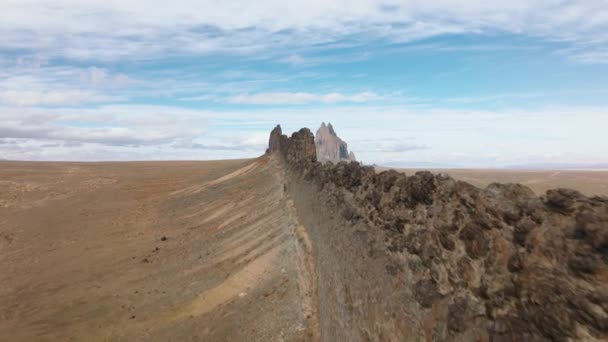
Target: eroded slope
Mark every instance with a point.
(152, 251)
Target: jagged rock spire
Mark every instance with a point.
(329, 146)
(274, 142)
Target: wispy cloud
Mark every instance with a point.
(31, 82)
(102, 77)
(199, 98)
(101, 30)
(105, 125)
(50, 98)
(293, 59)
(297, 98)
(587, 55)
(495, 98)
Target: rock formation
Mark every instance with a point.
(427, 257)
(299, 147)
(274, 142)
(330, 147)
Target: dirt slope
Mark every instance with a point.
(165, 251)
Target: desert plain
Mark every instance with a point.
(167, 251)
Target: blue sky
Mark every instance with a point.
(439, 83)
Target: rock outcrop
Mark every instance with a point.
(300, 147)
(458, 262)
(330, 147)
(274, 142)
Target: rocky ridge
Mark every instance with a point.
(495, 264)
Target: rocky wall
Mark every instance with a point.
(427, 257)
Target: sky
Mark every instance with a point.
(431, 83)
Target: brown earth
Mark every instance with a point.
(166, 251)
(588, 182)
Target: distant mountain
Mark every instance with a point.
(330, 147)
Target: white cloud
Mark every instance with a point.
(254, 138)
(199, 98)
(287, 98)
(31, 82)
(49, 98)
(105, 125)
(101, 76)
(589, 56)
(111, 29)
(293, 59)
(496, 98)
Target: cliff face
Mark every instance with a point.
(299, 147)
(425, 256)
(330, 147)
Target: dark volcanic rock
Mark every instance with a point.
(427, 293)
(501, 263)
(420, 188)
(300, 147)
(563, 199)
(475, 241)
(522, 228)
(446, 240)
(459, 313)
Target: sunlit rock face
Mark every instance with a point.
(330, 147)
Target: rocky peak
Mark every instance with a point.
(330, 147)
(331, 129)
(299, 147)
(274, 142)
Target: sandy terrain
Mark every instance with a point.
(167, 251)
(588, 182)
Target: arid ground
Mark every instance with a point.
(168, 251)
